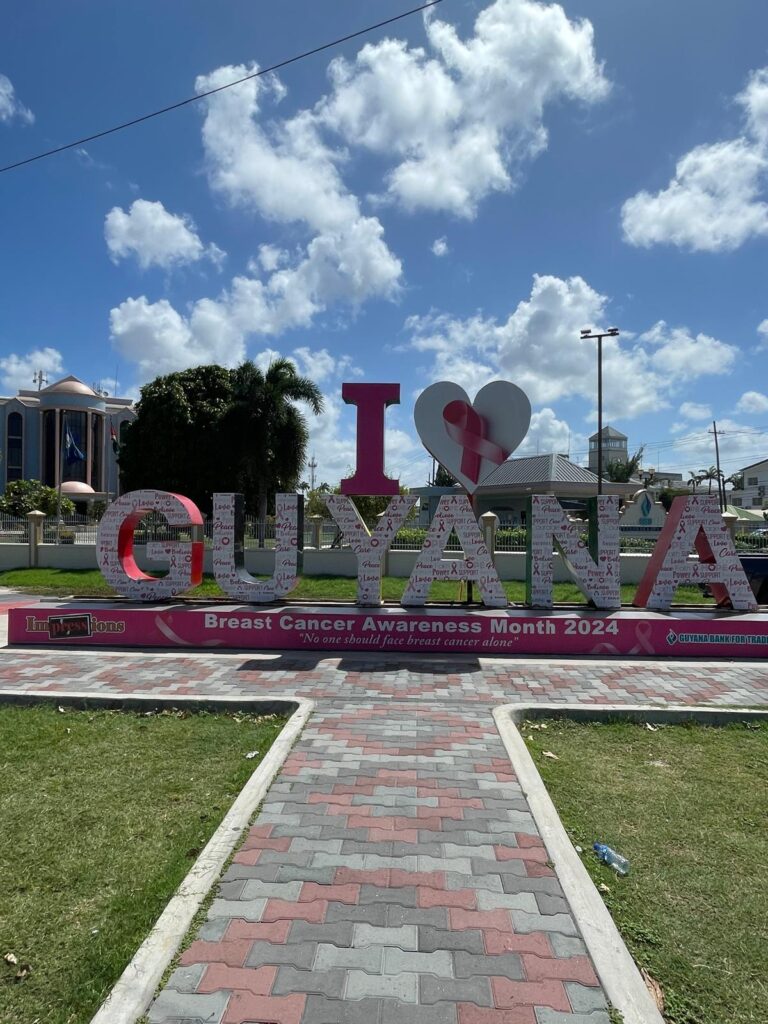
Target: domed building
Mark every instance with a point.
(64, 433)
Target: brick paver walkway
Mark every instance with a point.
(394, 873)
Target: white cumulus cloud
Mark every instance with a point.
(16, 371)
(753, 402)
(695, 411)
(539, 348)
(155, 237)
(716, 200)
(440, 247)
(10, 105)
(463, 116)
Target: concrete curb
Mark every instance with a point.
(615, 967)
(135, 988)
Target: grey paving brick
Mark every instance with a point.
(524, 883)
(431, 938)
(585, 998)
(363, 847)
(337, 932)
(319, 1010)
(483, 866)
(316, 845)
(255, 889)
(367, 958)
(404, 987)
(278, 857)
(400, 1013)
(405, 896)
(186, 979)
(439, 962)
(372, 913)
(246, 910)
(566, 945)
(456, 880)
(295, 873)
(171, 1005)
(231, 890)
(461, 864)
(551, 904)
(507, 901)
(325, 983)
(505, 965)
(213, 931)
(546, 1016)
(459, 990)
(429, 849)
(436, 916)
(525, 922)
(405, 937)
(297, 954)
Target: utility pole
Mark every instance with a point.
(586, 335)
(720, 484)
(312, 466)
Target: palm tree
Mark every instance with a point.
(711, 475)
(263, 409)
(620, 471)
(736, 480)
(693, 480)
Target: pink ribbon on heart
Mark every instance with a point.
(468, 428)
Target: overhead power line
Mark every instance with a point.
(221, 88)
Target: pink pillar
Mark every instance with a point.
(371, 401)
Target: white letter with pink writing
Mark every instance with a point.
(370, 548)
(695, 523)
(594, 566)
(228, 554)
(454, 513)
(114, 545)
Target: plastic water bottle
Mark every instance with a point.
(611, 858)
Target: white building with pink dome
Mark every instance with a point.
(40, 431)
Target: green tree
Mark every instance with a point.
(178, 441)
(693, 480)
(443, 478)
(736, 480)
(263, 416)
(619, 471)
(711, 475)
(22, 496)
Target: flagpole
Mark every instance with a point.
(62, 423)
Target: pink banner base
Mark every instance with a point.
(697, 633)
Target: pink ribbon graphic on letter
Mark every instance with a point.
(468, 428)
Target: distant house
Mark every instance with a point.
(754, 494)
(614, 448)
(506, 492)
(63, 433)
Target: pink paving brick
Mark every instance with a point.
(433, 879)
(497, 942)
(244, 1008)
(232, 954)
(384, 835)
(459, 919)
(256, 980)
(379, 878)
(257, 931)
(464, 898)
(524, 839)
(530, 993)
(530, 853)
(471, 1014)
(280, 910)
(574, 968)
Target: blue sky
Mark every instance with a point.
(451, 197)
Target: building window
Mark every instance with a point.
(74, 468)
(14, 447)
(751, 481)
(757, 501)
(736, 502)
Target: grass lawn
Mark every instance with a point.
(101, 815)
(688, 806)
(90, 583)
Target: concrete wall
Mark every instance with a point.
(327, 562)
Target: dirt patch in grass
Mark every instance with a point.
(101, 815)
(688, 805)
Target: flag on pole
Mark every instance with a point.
(113, 438)
(71, 449)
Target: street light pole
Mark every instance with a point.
(588, 334)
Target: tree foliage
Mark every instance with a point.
(443, 478)
(22, 496)
(619, 471)
(212, 429)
